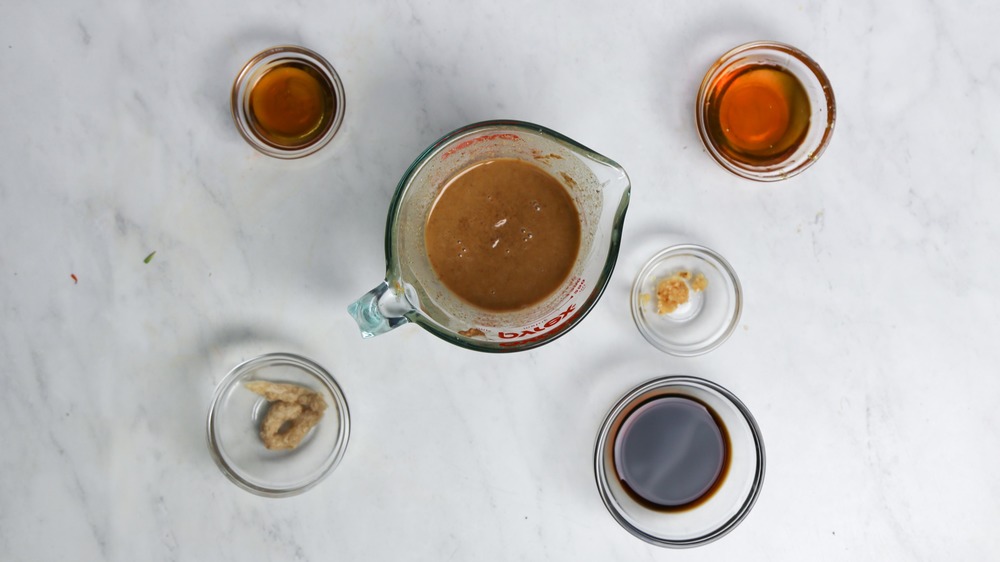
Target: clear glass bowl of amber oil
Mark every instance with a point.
(765, 111)
(288, 102)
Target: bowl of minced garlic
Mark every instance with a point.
(686, 300)
(675, 290)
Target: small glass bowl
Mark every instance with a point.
(706, 320)
(234, 421)
(822, 104)
(722, 511)
(254, 69)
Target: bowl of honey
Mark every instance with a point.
(288, 102)
(765, 111)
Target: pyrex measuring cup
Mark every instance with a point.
(412, 291)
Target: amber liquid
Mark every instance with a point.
(503, 235)
(291, 105)
(757, 114)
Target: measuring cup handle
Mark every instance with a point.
(372, 316)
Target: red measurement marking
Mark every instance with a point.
(470, 142)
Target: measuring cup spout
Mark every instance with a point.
(380, 310)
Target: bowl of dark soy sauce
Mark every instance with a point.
(679, 461)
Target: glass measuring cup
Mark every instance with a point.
(412, 291)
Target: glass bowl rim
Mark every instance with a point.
(236, 105)
(758, 173)
(699, 251)
(601, 478)
(304, 364)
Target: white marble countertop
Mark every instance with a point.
(867, 348)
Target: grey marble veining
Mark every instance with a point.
(867, 349)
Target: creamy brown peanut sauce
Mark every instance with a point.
(503, 235)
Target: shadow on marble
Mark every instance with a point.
(693, 51)
(638, 245)
(339, 203)
(222, 62)
(201, 371)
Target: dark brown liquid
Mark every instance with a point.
(758, 114)
(291, 105)
(671, 453)
(503, 235)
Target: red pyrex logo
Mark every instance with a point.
(536, 330)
